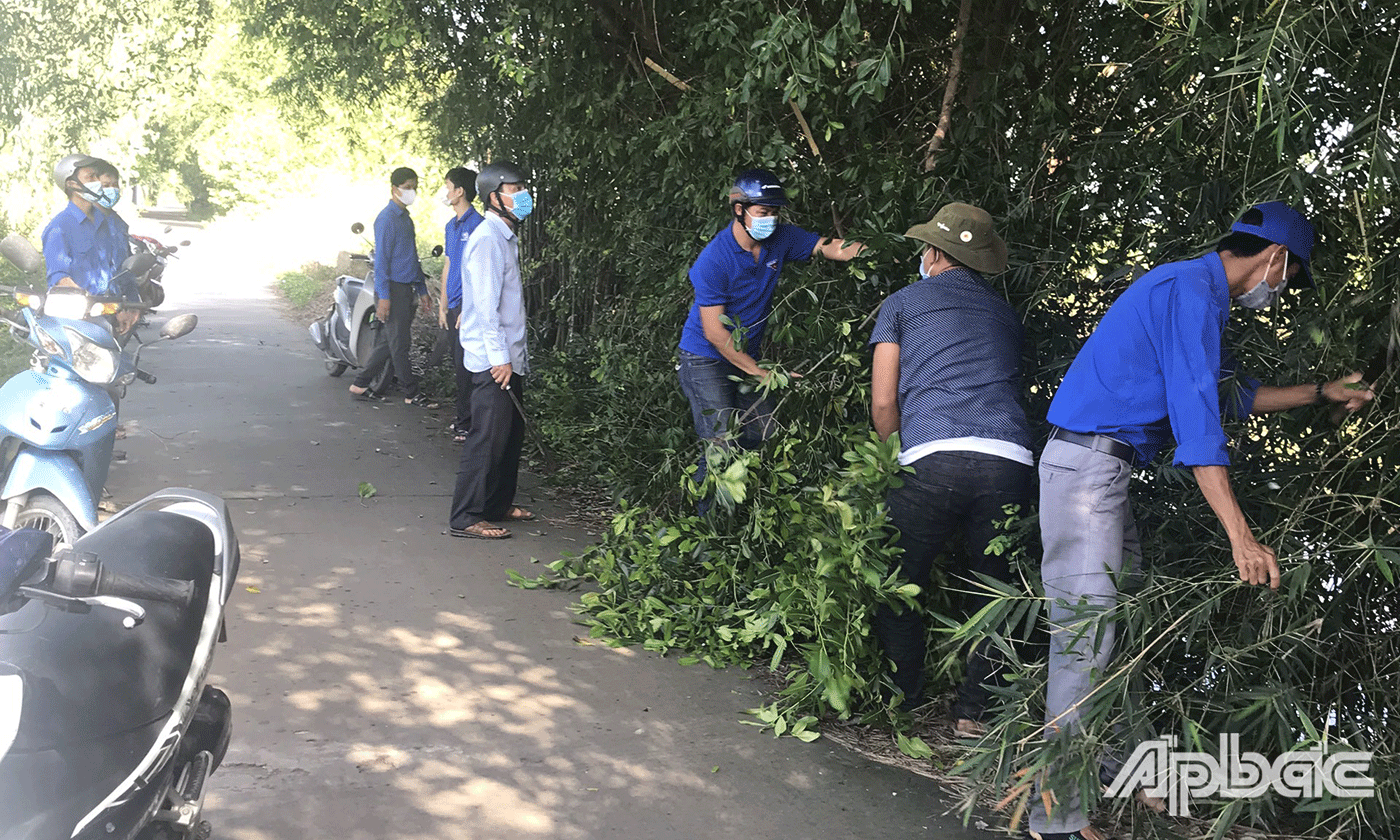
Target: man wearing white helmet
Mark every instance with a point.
(79, 249)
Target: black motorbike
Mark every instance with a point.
(107, 726)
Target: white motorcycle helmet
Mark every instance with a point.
(67, 168)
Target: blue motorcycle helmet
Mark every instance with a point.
(758, 186)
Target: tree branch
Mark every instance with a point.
(950, 92)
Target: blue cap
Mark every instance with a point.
(1287, 227)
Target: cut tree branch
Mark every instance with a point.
(945, 118)
(806, 129)
(666, 74)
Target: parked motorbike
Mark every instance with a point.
(348, 332)
(150, 285)
(108, 728)
(58, 420)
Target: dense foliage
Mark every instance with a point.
(1105, 136)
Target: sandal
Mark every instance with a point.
(459, 437)
(480, 531)
(364, 394)
(420, 400)
(519, 514)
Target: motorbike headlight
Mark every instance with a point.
(47, 343)
(94, 363)
(69, 305)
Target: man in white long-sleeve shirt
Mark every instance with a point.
(492, 332)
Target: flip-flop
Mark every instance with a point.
(367, 395)
(520, 514)
(459, 437)
(474, 531)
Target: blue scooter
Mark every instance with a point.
(58, 420)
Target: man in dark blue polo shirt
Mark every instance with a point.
(946, 375)
(1150, 375)
(459, 185)
(734, 279)
(398, 280)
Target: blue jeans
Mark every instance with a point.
(950, 493)
(716, 404)
(1091, 547)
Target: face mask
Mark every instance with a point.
(522, 203)
(445, 199)
(408, 196)
(110, 197)
(923, 272)
(1262, 296)
(92, 190)
(763, 227)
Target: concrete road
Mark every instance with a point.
(387, 682)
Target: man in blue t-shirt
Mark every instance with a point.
(1150, 375)
(459, 185)
(946, 376)
(734, 279)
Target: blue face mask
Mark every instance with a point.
(110, 197)
(762, 227)
(522, 203)
(923, 274)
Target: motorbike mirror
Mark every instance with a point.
(357, 228)
(437, 250)
(179, 325)
(168, 228)
(22, 552)
(22, 253)
(172, 249)
(185, 243)
(139, 263)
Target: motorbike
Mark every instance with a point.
(58, 419)
(349, 331)
(108, 726)
(150, 285)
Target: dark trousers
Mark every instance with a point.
(464, 376)
(716, 402)
(490, 462)
(950, 492)
(398, 330)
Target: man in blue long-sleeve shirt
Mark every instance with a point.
(398, 280)
(1150, 374)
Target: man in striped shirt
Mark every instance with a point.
(946, 376)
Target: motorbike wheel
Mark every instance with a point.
(335, 368)
(48, 514)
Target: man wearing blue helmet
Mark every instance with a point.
(1147, 377)
(734, 279)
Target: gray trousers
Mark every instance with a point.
(1090, 539)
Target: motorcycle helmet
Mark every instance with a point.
(493, 175)
(758, 186)
(67, 168)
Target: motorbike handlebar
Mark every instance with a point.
(148, 378)
(144, 588)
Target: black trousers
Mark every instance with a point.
(490, 464)
(951, 492)
(464, 376)
(403, 302)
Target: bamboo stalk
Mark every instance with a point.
(666, 74)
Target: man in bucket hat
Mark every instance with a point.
(946, 375)
(1148, 376)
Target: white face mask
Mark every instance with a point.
(407, 196)
(1262, 295)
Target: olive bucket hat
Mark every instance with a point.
(964, 233)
